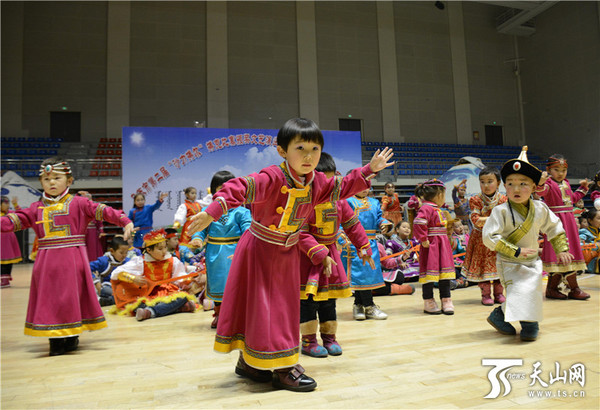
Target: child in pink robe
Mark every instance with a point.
(556, 191)
(10, 253)
(62, 296)
(260, 312)
(435, 259)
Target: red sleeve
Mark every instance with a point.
(420, 225)
(20, 219)
(243, 190)
(315, 251)
(389, 263)
(355, 231)
(335, 189)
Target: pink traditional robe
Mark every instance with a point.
(560, 199)
(9, 247)
(260, 312)
(320, 241)
(92, 240)
(435, 262)
(62, 297)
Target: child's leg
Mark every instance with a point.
(575, 292)
(447, 306)
(6, 275)
(215, 321)
(358, 309)
(372, 311)
(431, 306)
(328, 327)
(552, 292)
(383, 291)
(486, 293)
(498, 292)
(164, 309)
(308, 328)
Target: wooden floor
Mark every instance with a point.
(410, 360)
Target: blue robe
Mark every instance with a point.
(370, 216)
(142, 218)
(222, 237)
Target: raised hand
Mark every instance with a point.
(544, 178)
(380, 159)
(128, 231)
(163, 196)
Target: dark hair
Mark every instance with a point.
(399, 224)
(188, 189)
(170, 230)
(4, 198)
(218, 179)
(388, 183)
(428, 192)
(491, 171)
(136, 195)
(326, 163)
(55, 160)
(307, 130)
(589, 214)
(116, 242)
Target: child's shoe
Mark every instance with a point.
(331, 344)
(529, 331)
(57, 346)
(486, 294)
(189, 306)
(373, 312)
(431, 307)
(261, 376)
(311, 347)
(71, 343)
(496, 319)
(143, 314)
(294, 379)
(328, 331)
(208, 304)
(106, 301)
(552, 291)
(575, 292)
(5, 282)
(358, 312)
(403, 289)
(498, 292)
(447, 306)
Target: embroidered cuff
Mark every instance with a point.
(508, 249)
(126, 277)
(560, 243)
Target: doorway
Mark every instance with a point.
(65, 125)
(493, 135)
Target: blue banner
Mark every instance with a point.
(157, 160)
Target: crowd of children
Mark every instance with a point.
(300, 228)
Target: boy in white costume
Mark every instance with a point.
(512, 231)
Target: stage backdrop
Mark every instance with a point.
(157, 160)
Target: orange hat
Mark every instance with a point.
(154, 237)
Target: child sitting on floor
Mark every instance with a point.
(157, 264)
(103, 266)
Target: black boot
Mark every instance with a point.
(57, 346)
(71, 343)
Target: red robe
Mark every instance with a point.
(260, 312)
(62, 296)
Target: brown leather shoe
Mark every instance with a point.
(578, 294)
(261, 376)
(294, 379)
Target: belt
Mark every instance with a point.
(277, 238)
(437, 231)
(223, 241)
(61, 242)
